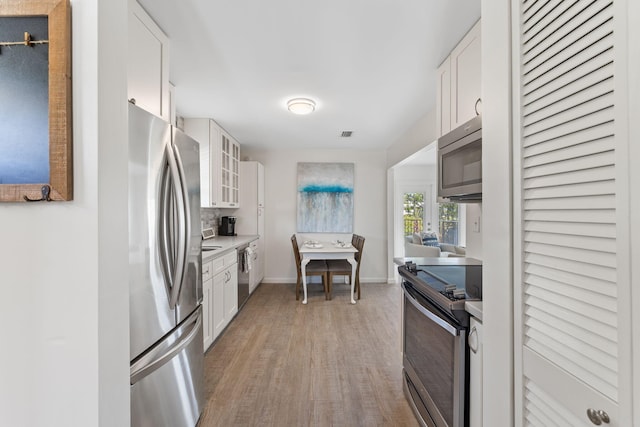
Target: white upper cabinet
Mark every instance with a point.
(465, 78)
(230, 172)
(219, 163)
(443, 104)
(173, 119)
(147, 63)
(459, 86)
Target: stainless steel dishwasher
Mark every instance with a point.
(243, 276)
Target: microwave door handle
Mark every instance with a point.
(431, 316)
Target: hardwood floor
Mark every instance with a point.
(329, 363)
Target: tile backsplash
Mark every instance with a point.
(209, 218)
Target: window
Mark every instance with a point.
(413, 213)
(451, 219)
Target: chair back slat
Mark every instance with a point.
(296, 254)
(359, 246)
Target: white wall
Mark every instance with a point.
(419, 175)
(280, 214)
(421, 134)
(473, 218)
(417, 137)
(497, 221)
(64, 358)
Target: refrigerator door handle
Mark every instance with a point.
(180, 249)
(186, 228)
(164, 230)
(159, 356)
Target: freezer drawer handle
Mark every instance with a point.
(157, 357)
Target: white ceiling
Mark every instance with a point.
(369, 64)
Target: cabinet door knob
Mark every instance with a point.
(598, 416)
(478, 101)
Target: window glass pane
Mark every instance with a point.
(413, 213)
(449, 223)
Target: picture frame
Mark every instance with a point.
(59, 104)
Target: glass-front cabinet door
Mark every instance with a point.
(229, 171)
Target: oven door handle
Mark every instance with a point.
(433, 317)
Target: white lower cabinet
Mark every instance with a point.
(256, 274)
(230, 292)
(225, 298)
(475, 373)
(220, 294)
(218, 304)
(207, 303)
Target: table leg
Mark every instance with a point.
(303, 265)
(352, 261)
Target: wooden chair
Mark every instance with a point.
(341, 267)
(314, 268)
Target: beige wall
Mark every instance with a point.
(281, 198)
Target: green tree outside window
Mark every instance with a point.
(449, 223)
(413, 213)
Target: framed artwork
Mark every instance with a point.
(35, 101)
(325, 197)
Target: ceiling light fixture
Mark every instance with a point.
(301, 105)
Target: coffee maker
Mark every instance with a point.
(227, 226)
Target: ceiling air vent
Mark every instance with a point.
(346, 133)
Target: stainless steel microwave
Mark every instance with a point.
(460, 163)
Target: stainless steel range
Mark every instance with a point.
(435, 328)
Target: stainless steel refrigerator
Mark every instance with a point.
(165, 279)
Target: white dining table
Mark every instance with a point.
(327, 251)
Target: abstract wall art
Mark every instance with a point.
(325, 197)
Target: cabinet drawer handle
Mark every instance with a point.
(473, 343)
(475, 107)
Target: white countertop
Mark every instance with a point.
(226, 244)
(474, 308)
(438, 261)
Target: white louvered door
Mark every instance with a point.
(566, 260)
